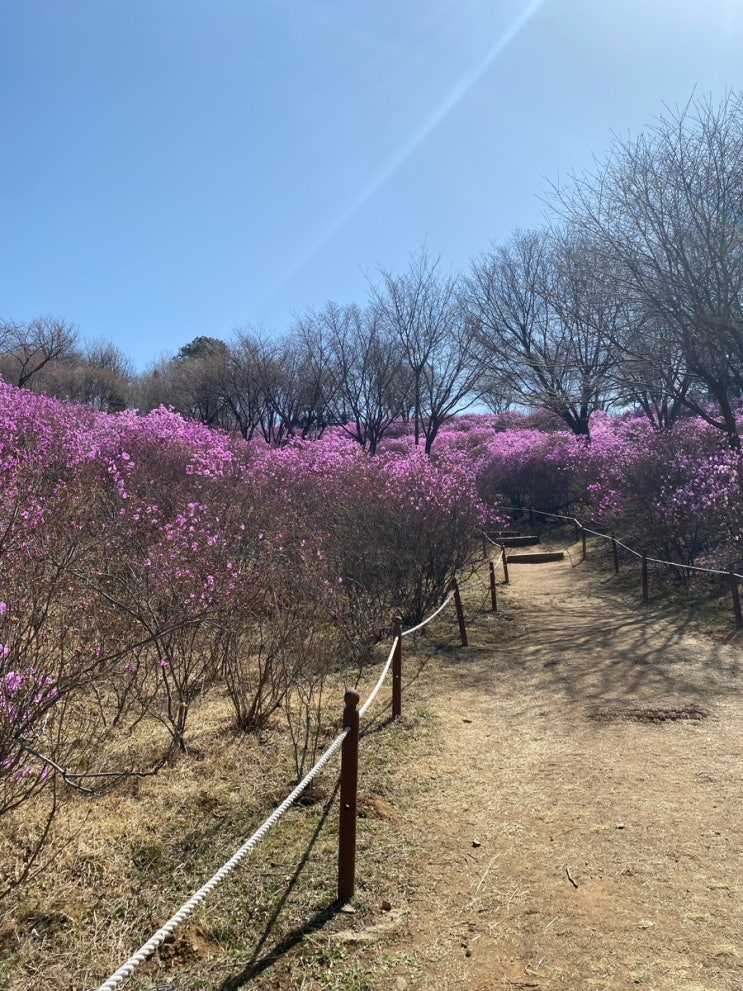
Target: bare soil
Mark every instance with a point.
(583, 827)
(559, 808)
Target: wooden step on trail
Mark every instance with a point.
(540, 557)
(518, 540)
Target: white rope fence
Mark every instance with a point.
(490, 539)
(127, 969)
(147, 949)
(631, 550)
(380, 681)
(425, 622)
(655, 560)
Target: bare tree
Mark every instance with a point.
(424, 311)
(371, 378)
(26, 349)
(193, 382)
(261, 386)
(495, 391)
(245, 392)
(99, 376)
(667, 207)
(546, 324)
(452, 378)
(651, 371)
(310, 353)
(200, 375)
(284, 384)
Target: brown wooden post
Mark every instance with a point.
(578, 529)
(397, 669)
(484, 546)
(460, 614)
(736, 597)
(493, 593)
(644, 576)
(615, 552)
(505, 565)
(583, 543)
(349, 787)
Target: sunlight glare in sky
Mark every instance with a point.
(462, 86)
(190, 169)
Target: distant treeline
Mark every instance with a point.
(630, 295)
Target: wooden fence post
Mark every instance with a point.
(493, 593)
(645, 576)
(583, 542)
(736, 598)
(349, 787)
(615, 552)
(505, 564)
(460, 614)
(397, 669)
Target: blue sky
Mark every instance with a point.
(172, 168)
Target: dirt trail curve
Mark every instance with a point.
(582, 824)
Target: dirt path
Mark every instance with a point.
(582, 824)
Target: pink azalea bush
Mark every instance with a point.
(146, 560)
(653, 488)
(391, 529)
(530, 469)
(675, 494)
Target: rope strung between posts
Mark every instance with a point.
(490, 539)
(631, 550)
(495, 543)
(425, 622)
(500, 556)
(375, 691)
(127, 969)
(670, 564)
(380, 681)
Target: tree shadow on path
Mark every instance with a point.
(576, 639)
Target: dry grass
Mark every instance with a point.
(121, 863)
(528, 754)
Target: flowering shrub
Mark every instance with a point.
(530, 469)
(147, 559)
(434, 511)
(653, 487)
(676, 494)
(381, 534)
(26, 696)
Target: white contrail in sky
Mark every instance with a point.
(461, 87)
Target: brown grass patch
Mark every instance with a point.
(576, 734)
